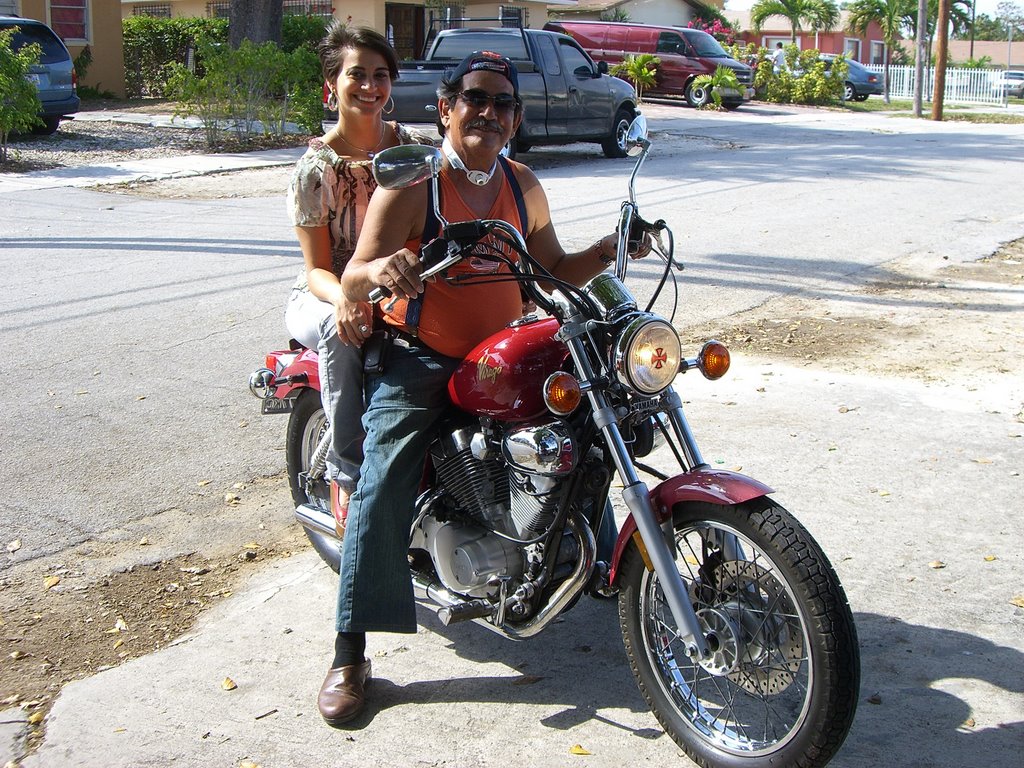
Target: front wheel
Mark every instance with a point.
(849, 92)
(699, 96)
(615, 145)
(781, 684)
(306, 428)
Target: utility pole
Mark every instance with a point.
(941, 48)
(974, 4)
(921, 54)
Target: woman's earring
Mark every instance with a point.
(389, 111)
(332, 101)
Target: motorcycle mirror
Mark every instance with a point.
(636, 136)
(406, 165)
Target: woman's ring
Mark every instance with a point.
(364, 328)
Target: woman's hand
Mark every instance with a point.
(399, 273)
(354, 320)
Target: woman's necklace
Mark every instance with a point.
(368, 152)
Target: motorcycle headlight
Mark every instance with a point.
(647, 355)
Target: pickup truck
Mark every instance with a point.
(566, 96)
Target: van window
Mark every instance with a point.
(670, 42)
(704, 44)
(53, 49)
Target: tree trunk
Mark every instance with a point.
(255, 20)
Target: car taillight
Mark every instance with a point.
(326, 91)
(872, 78)
(74, 79)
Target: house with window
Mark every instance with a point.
(81, 23)
(408, 25)
(661, 13)
(867, 49)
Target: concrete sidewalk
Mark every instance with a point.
(461, 696)
(147, 170)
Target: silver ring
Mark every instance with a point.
(364, 328)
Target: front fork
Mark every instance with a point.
(637, 498)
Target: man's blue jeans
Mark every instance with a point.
(404, 404)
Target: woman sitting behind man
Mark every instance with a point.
(327, 200)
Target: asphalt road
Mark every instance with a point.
(129, 327)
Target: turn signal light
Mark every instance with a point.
(562, 393)
(714, 360)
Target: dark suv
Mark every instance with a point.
(54, 75)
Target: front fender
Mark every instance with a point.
(712, 486)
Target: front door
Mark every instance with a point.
(404, 29)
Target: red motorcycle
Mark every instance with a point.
(735, 625)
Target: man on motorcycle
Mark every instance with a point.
(436, 325)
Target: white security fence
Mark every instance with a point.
(963, 86)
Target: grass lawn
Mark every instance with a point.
(958, 112)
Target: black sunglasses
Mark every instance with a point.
(478, 99)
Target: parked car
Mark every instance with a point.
(54, 76)
(861, 82)
(684, 53)
(1009, 83)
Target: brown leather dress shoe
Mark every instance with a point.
(342, 694)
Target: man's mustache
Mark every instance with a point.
(487, 125)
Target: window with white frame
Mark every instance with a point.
(877, 52)
(851, 48)
(155, 10)
(769, 42)
(70, 19)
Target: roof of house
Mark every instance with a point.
(776, 23)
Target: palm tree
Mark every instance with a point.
(640, 69)
(820, 15)
(893, 16)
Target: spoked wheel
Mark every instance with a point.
(780, 686)
(306, 427)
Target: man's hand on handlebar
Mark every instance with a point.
(398, 273)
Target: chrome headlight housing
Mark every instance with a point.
(647, 355)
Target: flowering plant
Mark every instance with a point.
(718, 29)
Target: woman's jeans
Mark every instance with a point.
(311, 323)
(404, 405)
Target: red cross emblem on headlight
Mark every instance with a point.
(659, 358)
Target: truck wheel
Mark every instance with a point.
(615, 145)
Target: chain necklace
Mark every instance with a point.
(368, 152)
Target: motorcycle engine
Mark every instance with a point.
(509, 485)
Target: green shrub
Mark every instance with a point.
(805, 80)
(153, 46)
(248, 85)
(299, 31)
(640, 69)
(19, 99)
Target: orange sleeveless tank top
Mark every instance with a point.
(455, 316)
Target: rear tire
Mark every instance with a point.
(615, 145)
(781, 685)
(48, 128)
(306, 427)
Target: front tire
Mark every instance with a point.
(615, 145)
(849, 92)
(781, 685)
(306, 427)
(698, 97)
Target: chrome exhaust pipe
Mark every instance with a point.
(316, 520)
(451, 604)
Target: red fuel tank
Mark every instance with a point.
(504, 375)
